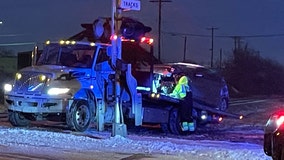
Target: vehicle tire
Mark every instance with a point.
(278, 154)
(165, 127)
(17, 119)
(79, 116)
(175, 123)
(282, 154)
(223, 104)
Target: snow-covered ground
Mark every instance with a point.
(153, 148)
(43, 143)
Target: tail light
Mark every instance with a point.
(280, 121)
(113, 37)
(275, 121)
(147, 40)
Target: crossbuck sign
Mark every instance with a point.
(130, 4)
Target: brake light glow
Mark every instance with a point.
(113, 37)
(147, 40)
(280, 120)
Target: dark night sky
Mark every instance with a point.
(37, 21)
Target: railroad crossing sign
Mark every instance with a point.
(130, 4)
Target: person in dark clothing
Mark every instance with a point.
(183, 92)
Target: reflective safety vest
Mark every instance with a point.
(181, 88)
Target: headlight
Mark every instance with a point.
(57, 91)
(8, 87)
(18, 76)
(42, 78)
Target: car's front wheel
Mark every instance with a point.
(79, 116)
(18, 119)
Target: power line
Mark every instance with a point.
(17, 44)
(11, 35)
(227, 36)
(185, 34)
(253, 36)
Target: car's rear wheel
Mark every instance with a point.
(18, 119)
(79, 116)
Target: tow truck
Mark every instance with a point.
(73, 81)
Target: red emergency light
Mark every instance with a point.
(142, 40)
(113, 37)
(147, 40)
(280, 120)
(277, 118)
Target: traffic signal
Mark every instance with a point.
(100, 30)
(133, 29)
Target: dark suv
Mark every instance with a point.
(274, 136)
(208, 86)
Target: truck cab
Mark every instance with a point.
(73, 82)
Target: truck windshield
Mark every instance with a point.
(67, 55)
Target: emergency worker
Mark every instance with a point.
(181, 87)
(182, 91)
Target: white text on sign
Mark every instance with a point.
(130, 4)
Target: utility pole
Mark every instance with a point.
(184, 48)
(212, 43)
(159, 25)
(118, 126)
(184, 36)
(221, 53)
(237, 42)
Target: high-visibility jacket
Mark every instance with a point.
(181, 88)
